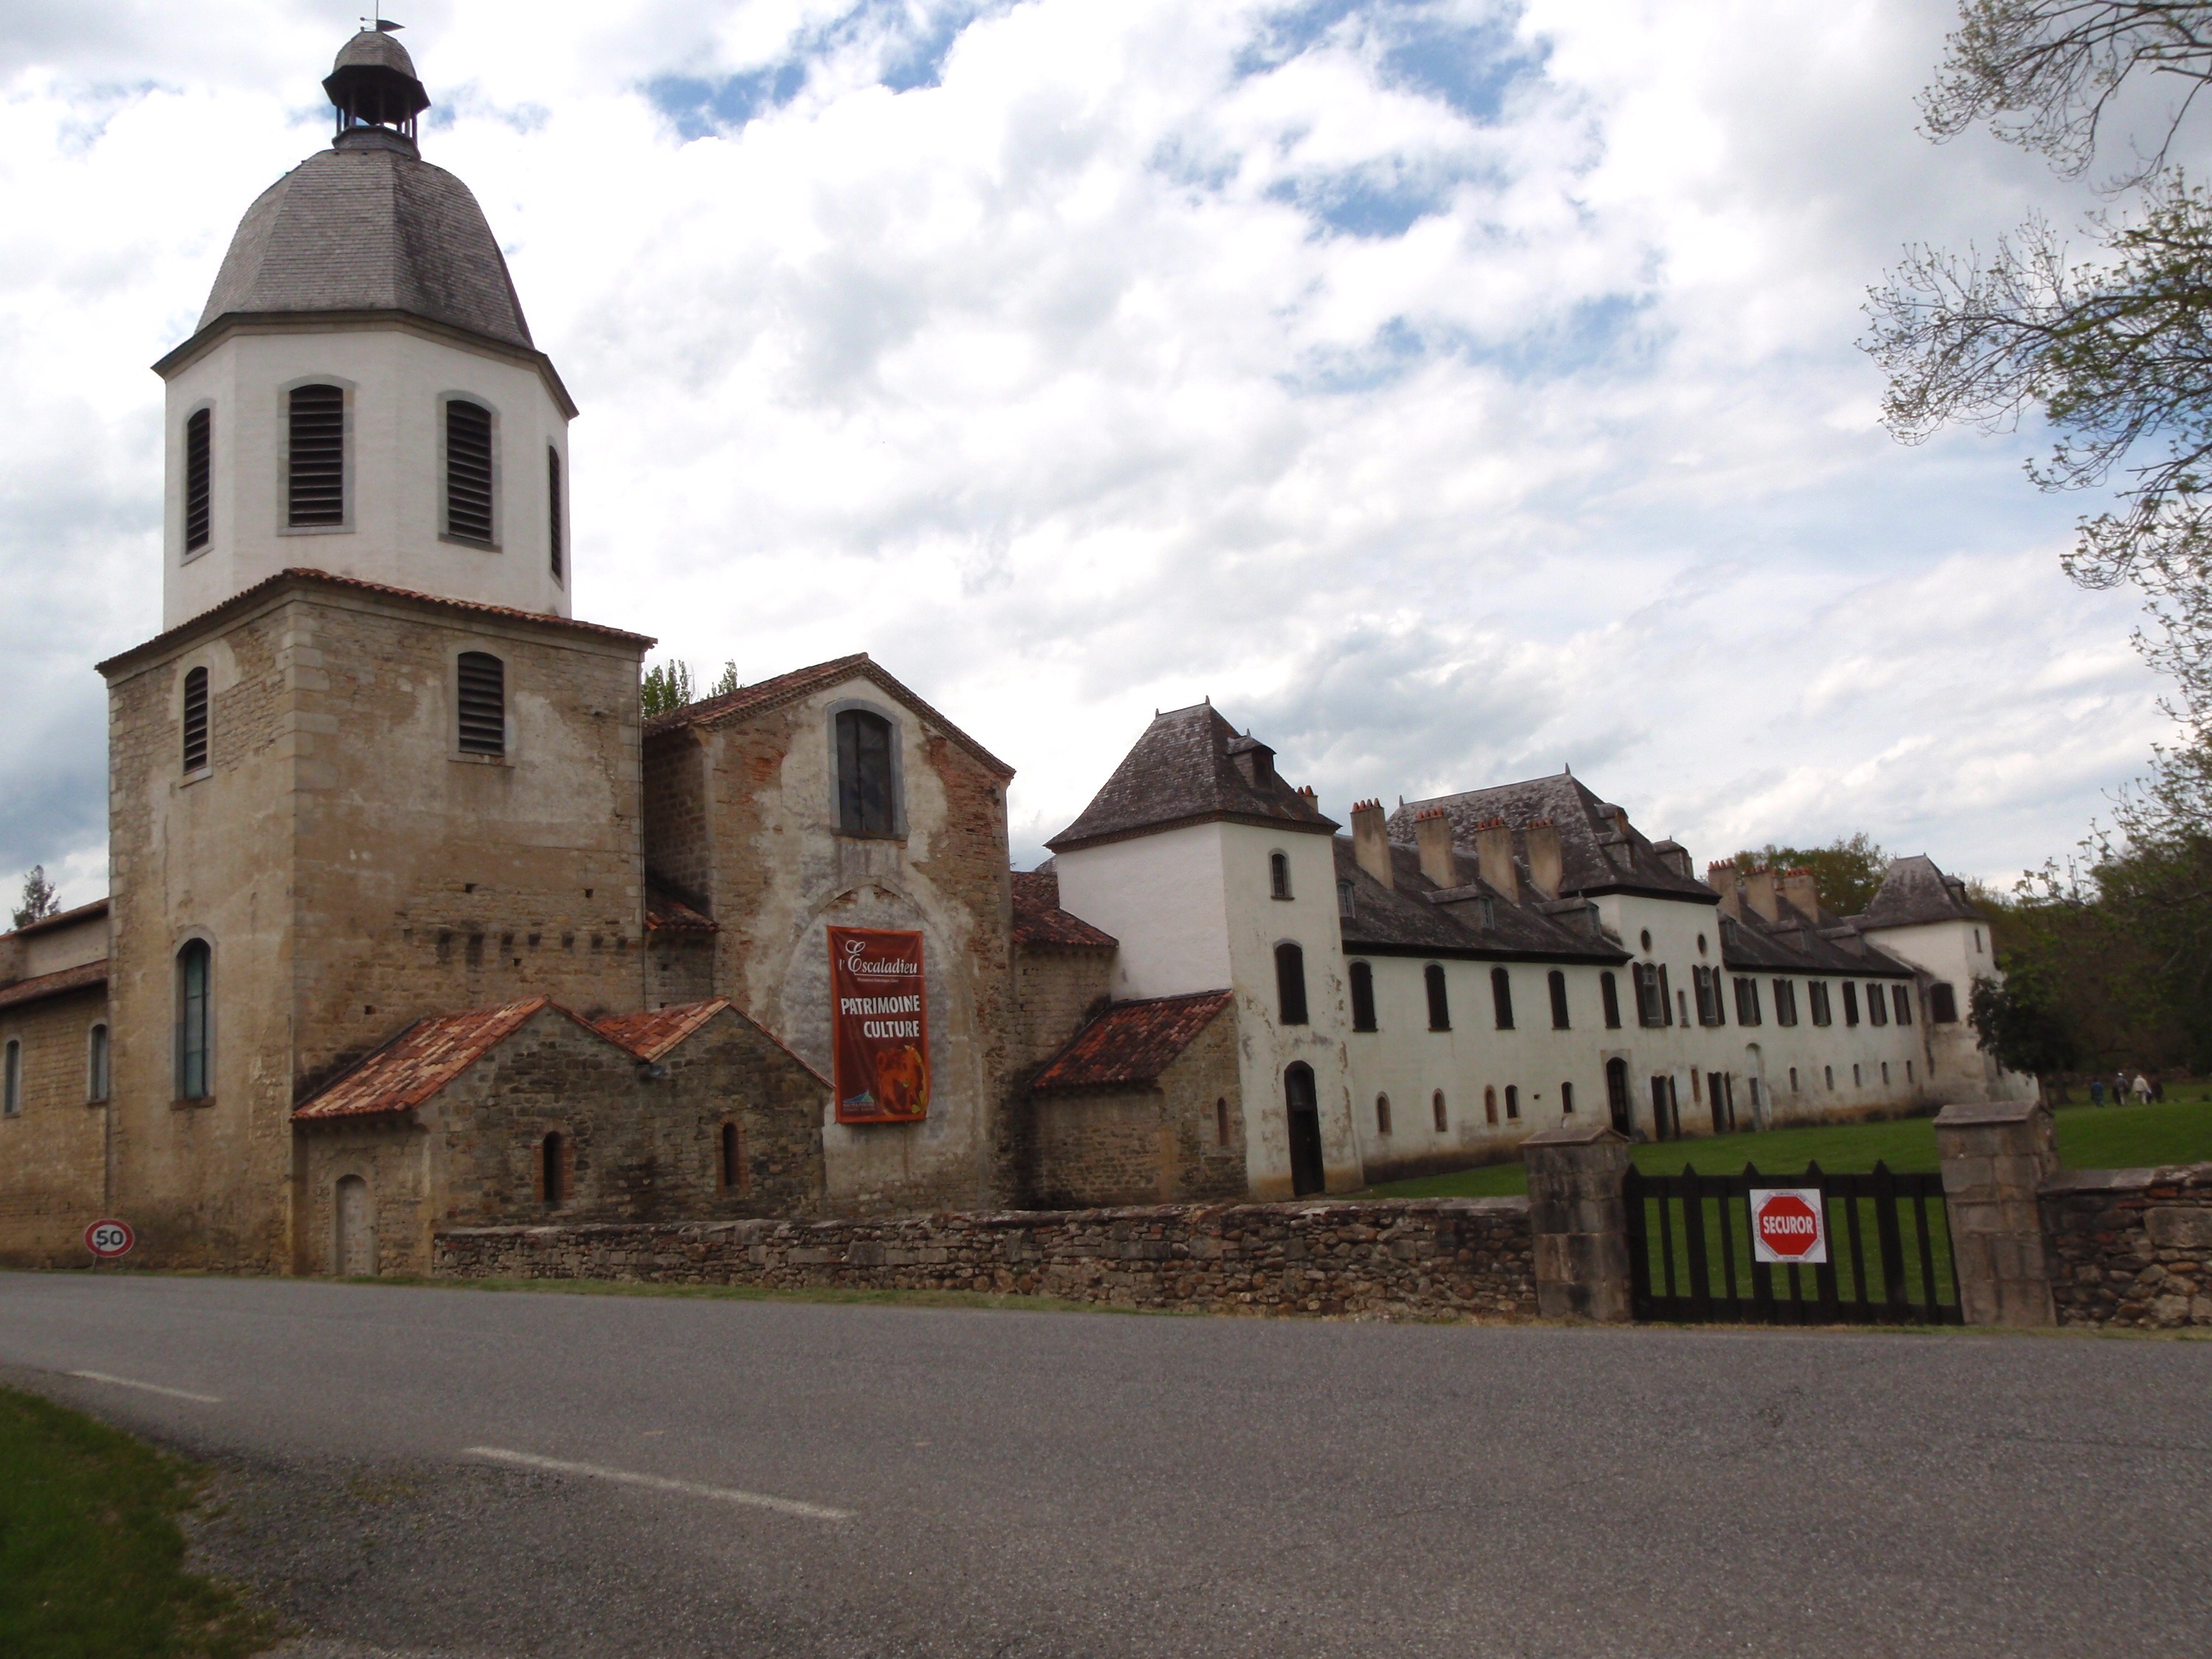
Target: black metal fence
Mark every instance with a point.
(1690, 1253)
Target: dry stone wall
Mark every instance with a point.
(2132, 1247)
(1405, 1259)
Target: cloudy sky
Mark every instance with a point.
(1451, 390)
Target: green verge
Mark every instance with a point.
(2113, 1138)
(91, 1551)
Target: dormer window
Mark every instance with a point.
(867, 796)
(468, 471)
(199, 466)
(1279, 875)
(315, 457)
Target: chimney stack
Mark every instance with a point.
(1370, 841)
(1494, 851)
(1721, 878)
(1547, 867)
(1759, 892)
(1432, 833)
(1798, 887)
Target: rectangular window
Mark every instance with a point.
(1501, 998)
(1567, 1100)
(1901, 1001)
(195, 963)
(1558, 984)
(483, 680)
(1816, 995)
(95, 1064)
(468, 471)
(1877, 1006)
(1942, 1004)
(866, 797)
(1785, 1002)
(11, 1079)
(1746, 1000)
(1512, 1101)
(1851, 1002)
(199, 458)
(1291, 982)
(315, 456)
(1432, 977)
(1706, 982)
(553, 495)
(1609, 993)
(196, 721)
(1363, 997)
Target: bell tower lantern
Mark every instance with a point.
(363, 395)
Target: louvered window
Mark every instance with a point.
(553, 501)
(483, 703)
(468, 471)
(199, 446)
(316, 476)
(195, 719)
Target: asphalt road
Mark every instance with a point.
(796, 1479)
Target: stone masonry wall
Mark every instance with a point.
(54, 1151)
(2132, 1247)
(1404, 1259)
(1146, 1144)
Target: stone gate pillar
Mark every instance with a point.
(1579, 1223)
(1996, 1155)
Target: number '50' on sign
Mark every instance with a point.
(109, 1238)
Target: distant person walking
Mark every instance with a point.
(2096, 1091)
(2141, 1089)
(2157, 1090)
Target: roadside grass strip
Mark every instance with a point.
(660, 1483)
(91, 1552)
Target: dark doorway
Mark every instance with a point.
(1298, 1096)
(1661, 1092)
(1716, 1093)
(1616, 1098)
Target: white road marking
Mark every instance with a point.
(661, 1483)
(150, 1388)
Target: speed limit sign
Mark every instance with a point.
(108, 1239)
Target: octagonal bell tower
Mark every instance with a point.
(363, 395)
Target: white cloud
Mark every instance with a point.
(1449, 391)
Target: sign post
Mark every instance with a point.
(1788, 1224)
(878, 1025)
(109, 1238)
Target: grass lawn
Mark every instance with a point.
(2115, 1138)
(91, 1554)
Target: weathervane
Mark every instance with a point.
(377, 20)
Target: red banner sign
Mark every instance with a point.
(879, 1029)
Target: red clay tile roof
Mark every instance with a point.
(62, 919)
(653, 1033)
(420, 1060)
(789, 688)
(1131, 1042)
(665, 912)
(1038, 918)
(245, 598)
(54, 984)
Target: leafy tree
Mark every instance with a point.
(727, 683)
(38, 901)
(665, 688)
(2021, 1021)
(1846, 872)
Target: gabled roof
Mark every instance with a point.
(1914, 892)
(1600, 851)
(1039, 920)
(1409, 920)
(59, 919)
(54, 984)
(420, 1060)
(1191, 767)
(764, 694)
(653, 1033)
(1131, 1042)
(299, 576)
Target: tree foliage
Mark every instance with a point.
(669, 686)
(1846, 872)
(2026, 1023)
(38, 901)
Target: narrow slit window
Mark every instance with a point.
(1512, 1102)
(195, 975)
(95, 1063)
(1221, 1121)
(1567, 1100)
(11, 1079)
(1437, 1108)
(199, 456)
(315, 470)
(865, 794)
(549, 1168)
(733, 1162)
(482, 681)
(1490, 1105)
(1381, 1114)
(196, 721)
(1291, 983)
(468, 471)
(553, 507)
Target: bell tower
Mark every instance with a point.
(363, 396)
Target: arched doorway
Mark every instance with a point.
(1617, 1104)
(1303, 1106)
(356, 1231)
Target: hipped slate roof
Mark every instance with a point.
(420, 1060)
(1131, 1042)
(54, 984)
(1913, 891)
(763, 695)
(1407, 921)
(1595, 855)
(1191, 767)
(1039, 920)
(365, 227)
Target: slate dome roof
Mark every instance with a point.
(374, 49)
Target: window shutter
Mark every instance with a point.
(195, 719)
(468, 471)
(199, 432)
(483, 703)
(316, 456)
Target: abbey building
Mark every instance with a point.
(414, 923)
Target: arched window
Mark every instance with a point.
(1609, 993)
(866, 803)
(468, 471)
(199, 459)
(1436, 1111)
(482, 681)
(1363, 997)
(1567, 1100)
(1557, 981)
(1381, 1114)
(1433, 976)
(1291, 983)
(95, 1062)
(553, 505)
(195, 1021)
(1501, 998)
(314, 457)
(1490, 1105)
(1221, 1121)
(1279, 875)
(196, 721)
(11, 1079)
(733, 1162)
(1512, 1102)
(551, 1169)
